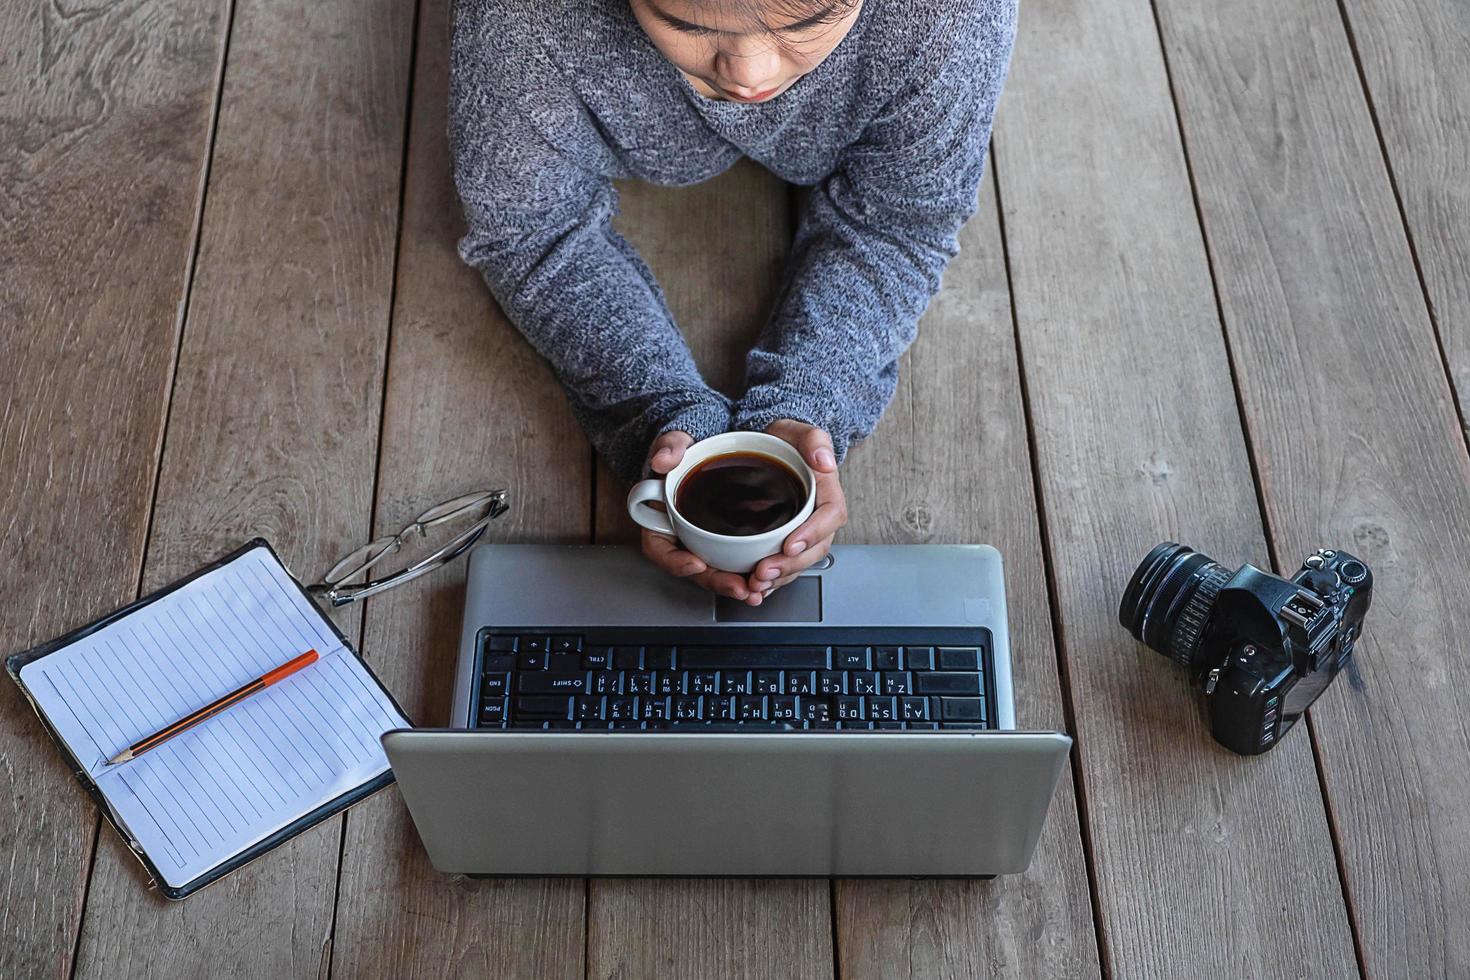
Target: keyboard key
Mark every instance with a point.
(959, 658)
(889, 726)
(856, 726)
(566, 644)
(927, 726)
(849, 708)
(625, 724)
(862, 682)
(587, 708)
(492, 711)
(734, 682)
(962, 709)
(494, 684)
(704, 682)
(564, 663)
(752, 658)
(767, 682)
(627, 658)
(913, 709)
(881, 709)
(919, 658)
(897, 683)
(500, 641)
(606, 681)
(532, 661)
(826, 724)
(815, 709)
(621, 708)
(638, 683)
(798, 682)
(653, 709)
(752, 706)
(658, 658)
(499, 661)
(542, 707)
(597, 658)
(686, 708)
(541, 682)
(529, 724)
(719, 709)
(559, 723)
(537, 643)
(925, 683)
(885, 658)
(850, 658)
(669, 682)
(832, 681)
(783, 708)
(962, 724)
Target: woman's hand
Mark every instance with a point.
(809, 543)
(803, 547)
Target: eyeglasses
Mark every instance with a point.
(487, 504)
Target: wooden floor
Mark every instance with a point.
(1218, 289)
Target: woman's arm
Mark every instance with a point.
(529, 164)
(877, 235)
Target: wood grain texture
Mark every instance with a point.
(1413, 55)
(1198, 853)
(950, 464)
(717, 249)
(104, 126)
(468, 405)
(1356, 439)
(274, 422)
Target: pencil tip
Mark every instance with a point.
(123, 756)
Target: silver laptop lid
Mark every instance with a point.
(666, 803)
(866, 585)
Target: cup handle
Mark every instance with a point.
(638, 509)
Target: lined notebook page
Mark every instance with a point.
(208, 794)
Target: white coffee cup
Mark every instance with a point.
(728, 552)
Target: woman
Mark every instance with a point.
(884, 107)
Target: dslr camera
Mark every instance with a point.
(1262, 647)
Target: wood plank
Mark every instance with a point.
(274, 424)
(719, 288)
(1355, 434)
(104, 134)
(1412, 53)
(1138, 439)
(950, 464)
(469, 404)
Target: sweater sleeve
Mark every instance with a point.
(876, 236)
(530, 170)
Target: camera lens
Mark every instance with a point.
(1169, 599)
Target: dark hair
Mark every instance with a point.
(786, 11)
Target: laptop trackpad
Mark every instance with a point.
(799, 602)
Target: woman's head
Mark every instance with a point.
(747, 50)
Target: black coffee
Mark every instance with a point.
(740, 494)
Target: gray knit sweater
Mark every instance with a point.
(552, 98)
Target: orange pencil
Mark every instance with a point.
(214, 708)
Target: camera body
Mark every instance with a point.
(1262, 647)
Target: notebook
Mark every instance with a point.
(214, 797)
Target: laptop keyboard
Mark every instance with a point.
(741, 680)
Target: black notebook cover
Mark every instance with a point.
(14, 663)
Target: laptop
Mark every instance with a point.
(611, 720)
